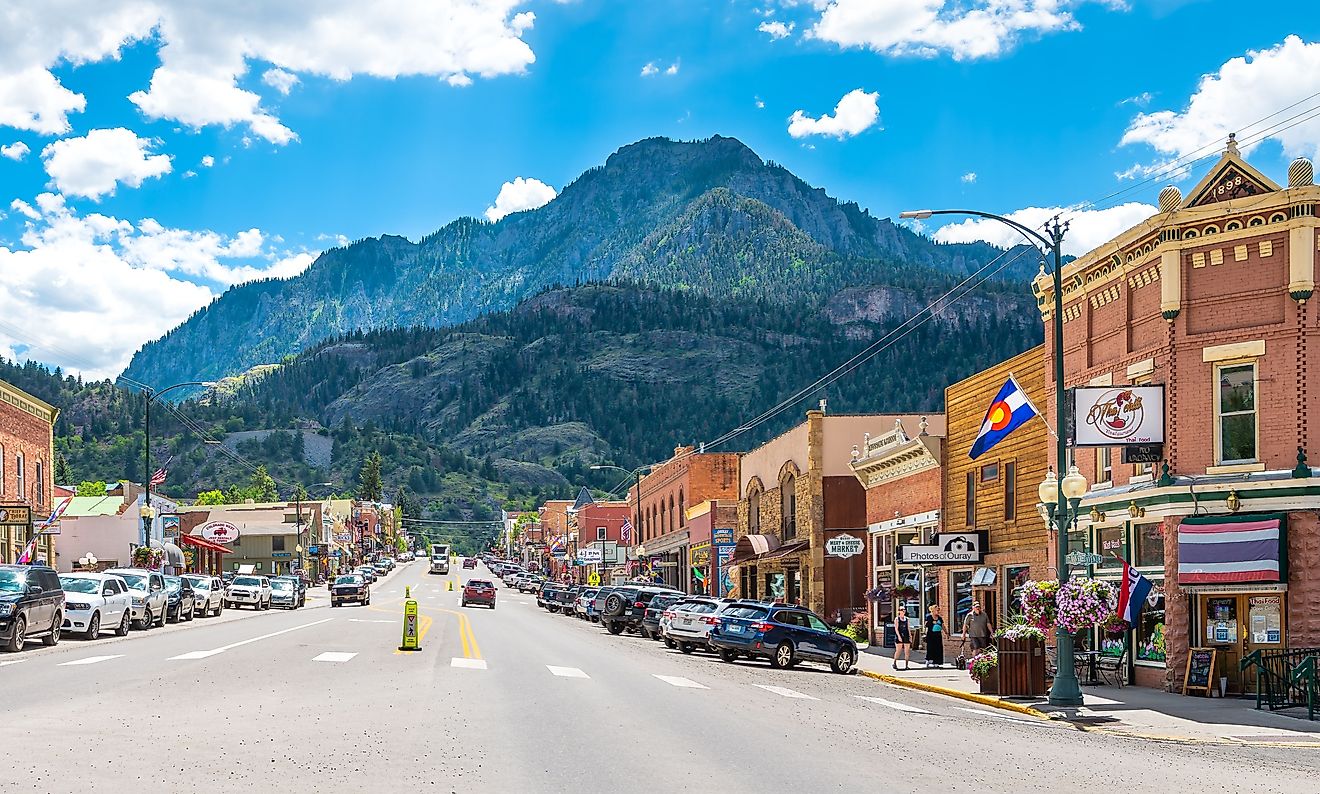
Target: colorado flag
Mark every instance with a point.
(1009, 411)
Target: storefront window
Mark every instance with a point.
(1150, 631)
(960, 585)
(1110, 546)
(1015, 577)
(930, 587)
(1150, 545)
(1076, 541)
(774, 586)
(794, 587)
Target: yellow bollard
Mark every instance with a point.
(410, 638)
(451, 585)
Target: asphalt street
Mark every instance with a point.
(516, 699)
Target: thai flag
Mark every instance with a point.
(1132, 594)
(1010, 410)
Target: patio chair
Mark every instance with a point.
(1113, 669)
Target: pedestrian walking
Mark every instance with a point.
(934, 637)
(902, 639)
(978, 626)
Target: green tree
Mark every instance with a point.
(370, 487)
(299, 493)
(214, 497)
(62, 472)
(86, 488)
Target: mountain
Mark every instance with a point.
(708, 217)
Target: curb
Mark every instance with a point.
(974, 697)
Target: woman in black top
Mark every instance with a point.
(934, 638)
(902, 639)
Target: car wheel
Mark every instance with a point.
(192, 613)
(782, 657)
(93, 627)
(160, 621)
(122, 630)
(670, 644)
(729, 656)
(146, 618)
(367, 603)
(614, 605)
(53, 638)
(614, 627)
(646, 633)
(686, 647)
(16, 642)
(842, 662)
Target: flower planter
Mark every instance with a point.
(1021, 669)
(990, 683)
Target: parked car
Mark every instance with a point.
(582, 604)
(249, 590)
(785, 635)
(350, 587)
(509, 576)
(529, 584)
(658, 606)
(31, 605)
(690, 621)
(624, 607)
(479, 591)
(367, 572)
(209, 592)
(300, 588)
(150, 601)
(283, 593)
(93, 600)
(381, 568)
(181, 603)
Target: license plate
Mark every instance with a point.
(734, 628)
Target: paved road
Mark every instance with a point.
(519, 700)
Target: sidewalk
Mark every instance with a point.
(1130, 711)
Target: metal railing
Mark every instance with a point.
(1285, 678)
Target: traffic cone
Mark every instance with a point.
(451, 585)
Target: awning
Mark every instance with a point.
(750, 546)
(787, 550)
(1247, 548)
(173, 554)
(203, 543)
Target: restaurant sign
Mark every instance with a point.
(1108, 416)
(220, 532)
(949, 548)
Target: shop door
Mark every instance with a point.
(1223, 623)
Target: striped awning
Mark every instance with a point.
(750, 546)
(1247, 548)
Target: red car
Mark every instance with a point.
(470, 562)
(479, 591)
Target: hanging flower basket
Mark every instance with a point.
(1015, 632)
(1115, 627)
(146, 557)
(1039, 605)
(903, 592)
(1083, 603)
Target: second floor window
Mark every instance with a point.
(1104, 465)
(40, 496)
(1010, 491)
(20, 479)
(971, 498)
(754, 512)
(600, 533)
(277, 543)
(1235, 411)
(788, 507)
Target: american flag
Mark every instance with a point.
(625, 532)
(159, 477)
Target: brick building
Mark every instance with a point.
(1210, 298)
(599, 527)
(713, 526)
(555, 531)
(904, 486)
(27, 454)
(798, 492)
(660, 511)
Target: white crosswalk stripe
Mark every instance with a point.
(471, 664)
(785, 692)
(91, 660)
(333, 656)
(679, 681)
(891, 704)
(8, 662)
(566, 672)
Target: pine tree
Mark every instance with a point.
(369, 484)
(62, 473)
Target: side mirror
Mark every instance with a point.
(107, 592)
(155, 588)
(33, 589)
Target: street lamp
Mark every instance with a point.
(152, 396)
(1065, 690)
(148, 514)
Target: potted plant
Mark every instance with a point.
(1083, 603)
(147, 557)
(857, 630)
(1021, 659)
(984, 670)
(1114, 627)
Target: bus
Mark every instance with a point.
(440, 558)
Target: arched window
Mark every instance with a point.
(754, 511)
(682, 509)
(663, 515)
(670, 525)
(787, 506)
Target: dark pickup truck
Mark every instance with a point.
(556, 597)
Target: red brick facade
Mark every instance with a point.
(689, 478)
(27, 454)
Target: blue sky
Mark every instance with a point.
(399, 121)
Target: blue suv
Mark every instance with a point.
(785, 635)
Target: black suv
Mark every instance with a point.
(654, 609)
(625, 607)
(181, 602)
(31, 605)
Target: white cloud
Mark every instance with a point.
(776, 29)
(964, 29)
(95, 164)
(760, 103)
(673, 68)
(649, 69)
(15, 151)
(855, 113)
(280, 80)
(207, 161)
(102, 286)
(969, 178)
(1087, 228)
(1233, 99)
(518, 195)
(1140, 100)
(205, 51)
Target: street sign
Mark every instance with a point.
(1143, 453)
(593, 579)
(722, 536)
(220, 532)
(1107, 416)
(1079, 558)
(844, 546)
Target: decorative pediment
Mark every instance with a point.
(1231, 178)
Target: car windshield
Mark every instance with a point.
(479, 584)
(12, 581)
(199, 583)
(280, 584)
(753, 613)
(248, 581)
(78, 584)
(348, 579)
(136, 581)
(173, 583)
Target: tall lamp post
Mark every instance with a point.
(637, 475)
(1062, 505)
(148, 513)
(299, 495)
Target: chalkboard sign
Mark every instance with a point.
(1200, 670)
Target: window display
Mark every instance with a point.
(1150, 631)
(1150, 545)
